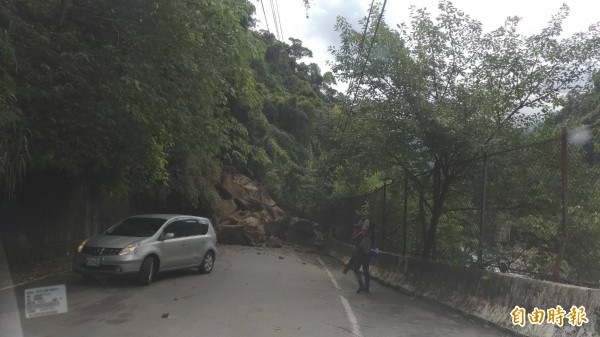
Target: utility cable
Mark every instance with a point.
(265, 14)
(362, 71)
(275, 20)
(359, 53)
(279, 19)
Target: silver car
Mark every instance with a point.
(144, 245)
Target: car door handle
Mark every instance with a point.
(184, 243)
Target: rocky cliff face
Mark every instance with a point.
(249, 216)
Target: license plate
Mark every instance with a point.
(93, 261)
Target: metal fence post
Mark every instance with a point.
(482, 214)
(562, 229)
(383, 217)
(405, 216)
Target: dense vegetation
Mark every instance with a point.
(153, 100)
(440, 95)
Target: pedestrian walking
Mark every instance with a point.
(362, 259)
(358, 234)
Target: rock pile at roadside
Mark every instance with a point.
(249, 216)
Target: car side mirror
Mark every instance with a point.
(169, 236)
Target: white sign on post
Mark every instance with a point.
(45, 301)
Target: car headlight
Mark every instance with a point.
(81, 245)
(129, 249)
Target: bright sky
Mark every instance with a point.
(317, 31)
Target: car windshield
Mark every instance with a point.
(141, 227)
(299, 168)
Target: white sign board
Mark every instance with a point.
(45, 301)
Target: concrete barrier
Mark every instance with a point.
(484, 295)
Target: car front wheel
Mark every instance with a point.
(146, 271)
(207, 263)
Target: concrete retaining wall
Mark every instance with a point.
(485, 295)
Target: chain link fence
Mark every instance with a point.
(509, 211)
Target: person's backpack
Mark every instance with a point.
(356, 232)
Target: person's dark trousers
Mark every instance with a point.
(363, 260)
(351, 262)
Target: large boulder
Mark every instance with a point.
(245, 211)
(248, 215)
(301, 232)
(243, 228)
(274, 242)
(271, 207)
(254, 229)
(243, 191)
(234, 235)
(227, 207)
(249, 195)
(278, 227)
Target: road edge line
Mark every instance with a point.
(34, 280)
(347, 308)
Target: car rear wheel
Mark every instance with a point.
(146, 271)
(207, 263)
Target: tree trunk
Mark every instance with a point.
(421, 222)
(428, 251)
(441, 184)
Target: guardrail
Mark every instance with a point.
(485, 295)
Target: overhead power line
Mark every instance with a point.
(265, 14)
(364, 34)
(279, 19)
(360, 48)
(277, 31)
(362, 71)
(364, 65)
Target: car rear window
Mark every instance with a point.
(141, 227)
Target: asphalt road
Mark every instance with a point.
(256, 292)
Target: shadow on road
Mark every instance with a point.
(124, 282)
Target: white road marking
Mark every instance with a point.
(345, 303)
(335, 284)
(33, 280)
(351, 316)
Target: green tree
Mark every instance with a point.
(442, 91)
(580, 116)
(289, 126)
(128, 97)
